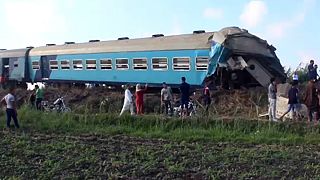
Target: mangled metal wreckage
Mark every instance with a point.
(238, 58)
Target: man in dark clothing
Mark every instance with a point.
(311, 100)
(311, 71)
(293, 100)
(39, 97)
(185, 93)
(32, 99)
(315, 72)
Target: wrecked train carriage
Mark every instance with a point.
(238, 57)
(151, 60)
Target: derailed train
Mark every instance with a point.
(231, 54)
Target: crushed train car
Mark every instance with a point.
(238, 58)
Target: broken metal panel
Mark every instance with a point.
(259, 72)
(218, 54)
(237, 63)
(242, 42)
(248, 45)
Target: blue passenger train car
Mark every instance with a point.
(147, 60)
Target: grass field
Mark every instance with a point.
(104, 145)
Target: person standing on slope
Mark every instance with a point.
(166, 98)
(127, 103)
(11, 109)
(185, 97)
(139, 98)
(272, 95)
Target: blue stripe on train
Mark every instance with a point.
(129, 76)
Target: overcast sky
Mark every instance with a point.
(292, 26)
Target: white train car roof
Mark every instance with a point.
(176, 42)
(13, 53)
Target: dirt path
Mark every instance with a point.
(35, 155)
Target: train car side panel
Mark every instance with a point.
(152, 67)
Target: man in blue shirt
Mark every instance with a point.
(185, 93)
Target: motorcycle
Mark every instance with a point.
(177, 110)
(57, 106)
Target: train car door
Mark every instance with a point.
(5, 69)
(44, 68)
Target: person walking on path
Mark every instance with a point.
(293, 100)
(311, 101)
(127, 103)
(39, 97)
(11, 110)
(139, 98)
(185, 97)
(272, 96)
(166, 98)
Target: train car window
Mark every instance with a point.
(35, 65)
(140, 64)
(91, 64)
(181, 64)
(105, 64)
(160, 64)
(77, 64)
(122, 64)
(65, 65)
(202, 63)
(53, 65)
(15, 63)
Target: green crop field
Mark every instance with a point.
(88, 145)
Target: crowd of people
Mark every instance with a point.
(36, 97)
(311, 98)
(166, 98)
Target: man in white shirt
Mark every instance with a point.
(295, 77)
(272, 95)
(11, 110)
(166, 98)
(127, 103)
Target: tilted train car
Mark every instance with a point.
(147, 60)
